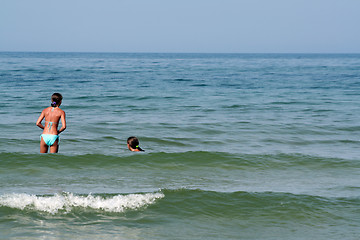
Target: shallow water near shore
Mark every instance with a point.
(237, 146)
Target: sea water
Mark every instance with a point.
(237, 146)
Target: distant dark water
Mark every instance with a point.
(247, 146)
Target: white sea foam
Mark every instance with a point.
(67, 201)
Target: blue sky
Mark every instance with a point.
(227, 26)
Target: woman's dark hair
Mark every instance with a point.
(56, 99)
(134, 143)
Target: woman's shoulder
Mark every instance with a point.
(46, 109)
(52, 110)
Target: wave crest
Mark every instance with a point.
(66, 202)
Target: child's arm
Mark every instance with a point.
(63, 123)
(38, 123)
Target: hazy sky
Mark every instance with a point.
(229, 26)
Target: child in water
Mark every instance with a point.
(50, 136)
(133, 144)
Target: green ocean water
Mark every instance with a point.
(237, 146)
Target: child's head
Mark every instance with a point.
(133, 144)
(56, 99)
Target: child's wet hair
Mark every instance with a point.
(134, 143)
(56, 99)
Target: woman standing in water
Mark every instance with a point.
(50, 136)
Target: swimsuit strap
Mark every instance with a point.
(50, 124)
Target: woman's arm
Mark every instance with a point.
(63, 123)
(38, 123)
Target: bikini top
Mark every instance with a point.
(50, 123)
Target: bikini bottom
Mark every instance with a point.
(49, 139)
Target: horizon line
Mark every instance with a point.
(141, 52)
